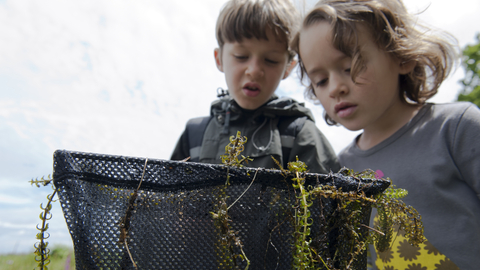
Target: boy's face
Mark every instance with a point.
(371, 103)
(253, 69)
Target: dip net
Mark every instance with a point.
(132, 213)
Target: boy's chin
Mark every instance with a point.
(249, 107)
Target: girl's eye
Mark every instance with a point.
(271, 61)
(321, 83)
(347, 70)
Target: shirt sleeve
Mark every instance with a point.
(313, 148)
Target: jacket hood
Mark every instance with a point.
(226, 112)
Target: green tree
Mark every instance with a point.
(471, 83)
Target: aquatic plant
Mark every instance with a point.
(42, 252)
(303, 257)
(228, 238)
(352, 235)
(392, 212)
(125, 220)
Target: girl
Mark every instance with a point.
(373, 69)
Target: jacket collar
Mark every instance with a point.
(275, 106)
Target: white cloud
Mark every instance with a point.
(127, 70)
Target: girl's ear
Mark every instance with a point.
(289, 68)
(218, 58)
(407, 67)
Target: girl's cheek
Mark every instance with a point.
(319, 95)
(325, 101)
(315, 92)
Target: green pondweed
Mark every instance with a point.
(352, 235)
(42, 252)
(303, 255)
(125, 220)
(228, 238)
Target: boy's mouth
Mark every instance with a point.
(251, 89)
(345, 109)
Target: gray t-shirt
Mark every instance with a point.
(436, 157)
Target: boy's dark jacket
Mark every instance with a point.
(281, 122)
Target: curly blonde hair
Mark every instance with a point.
(396, 32)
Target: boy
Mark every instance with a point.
(253, 53)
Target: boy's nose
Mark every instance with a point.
(254, 69)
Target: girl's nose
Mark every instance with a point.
(254, 69)
(338, 86)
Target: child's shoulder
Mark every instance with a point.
(450, 118)
(455, 106)
(454, 110)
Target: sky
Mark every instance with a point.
(122, 77)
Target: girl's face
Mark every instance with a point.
(373, 101)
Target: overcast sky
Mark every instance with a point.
(123, 77)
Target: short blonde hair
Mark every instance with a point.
(241, 19)
(396, 32)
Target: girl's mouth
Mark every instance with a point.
(345, 109)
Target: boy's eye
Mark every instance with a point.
(240, 57)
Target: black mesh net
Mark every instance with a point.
(168, 223)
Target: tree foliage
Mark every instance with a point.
(471, 82)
